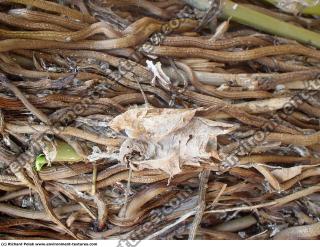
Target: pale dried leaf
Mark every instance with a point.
(295, 6)
(50, 151)
(97, 154)
(169, 164)
(285, 174)
(151, 123)
(268, 176)
(159, 75)
(166, 139)
(221, 30)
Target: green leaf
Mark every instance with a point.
(40, 162)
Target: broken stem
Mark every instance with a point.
(204, 177)
(94, 179)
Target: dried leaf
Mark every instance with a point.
(221, 30)
(166, 139)
(294, 6)
(268, 176)
(151, 123)
(285, 174)
(169, 164)
(159, 75)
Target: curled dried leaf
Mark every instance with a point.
(167, 139)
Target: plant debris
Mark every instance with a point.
(167, 139)
(134, 120)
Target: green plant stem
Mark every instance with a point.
(314, 10)
(263, 22)
(63, 152)
(40, 162)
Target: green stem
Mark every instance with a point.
(60, 152)
(40, 162)
(268, 24)
(314, 10)
(263, 22)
